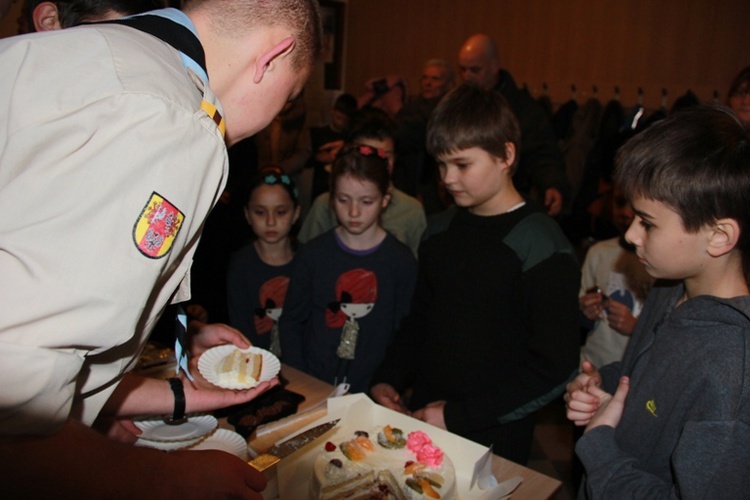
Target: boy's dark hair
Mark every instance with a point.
(697, 162)
(347, 104)
(371, 123)
(469, 117)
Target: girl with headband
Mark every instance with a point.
(351, 285)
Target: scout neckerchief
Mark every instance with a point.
(185, 41)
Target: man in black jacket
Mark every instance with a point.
(541, 171)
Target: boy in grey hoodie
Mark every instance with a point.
(672, 420)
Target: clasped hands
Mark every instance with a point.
(588, 404)
(386, 395)
(593, 305)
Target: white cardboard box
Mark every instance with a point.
(358, 412)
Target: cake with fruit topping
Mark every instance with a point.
(385, 464)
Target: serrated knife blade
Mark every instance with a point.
(280, 451)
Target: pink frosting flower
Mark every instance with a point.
(421, 445)
(431, 456)
(416, 440)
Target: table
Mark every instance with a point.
(534, 486)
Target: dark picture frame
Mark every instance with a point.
(332, 13)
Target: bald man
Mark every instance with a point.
(541, 170)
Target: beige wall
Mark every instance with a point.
(8, 26)
(653, 44)
(675, 44)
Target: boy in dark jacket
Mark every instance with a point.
(677, 424)
(492, 334)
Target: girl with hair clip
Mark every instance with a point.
(351, 285)
(259, 272)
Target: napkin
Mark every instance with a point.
(486, 482)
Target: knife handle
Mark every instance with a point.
(263, 462)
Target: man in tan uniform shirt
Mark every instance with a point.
(106, 178)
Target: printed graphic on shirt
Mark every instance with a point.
(157, 227)
(271, 296)
(618, 289)
(651, 407)
(356, 294)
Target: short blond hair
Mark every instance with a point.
(237, 17)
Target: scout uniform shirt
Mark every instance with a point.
(108, 168)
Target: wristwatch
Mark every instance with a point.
(178, 415)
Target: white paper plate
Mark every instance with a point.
(157, 429)
(168, 445)
(210, 361)
(224, 440)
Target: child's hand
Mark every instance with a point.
(433, 414)
(388, 396)
(620, 318)
(591, 304)
(611, 407)
(581, 404)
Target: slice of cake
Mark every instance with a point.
(241, 367)
(391, 466)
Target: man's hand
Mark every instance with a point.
(205, 336)
(611, 407)
(77, 461)
(215, 474)
(433, 414)
(201, 395)
(581, 404)
(553, 201)
(388, 396)
(117, 429)
(138, 395)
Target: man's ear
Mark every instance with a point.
(46, 17)
(268, 58)
(724, 237)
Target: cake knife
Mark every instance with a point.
(280, 451)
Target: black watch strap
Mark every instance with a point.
(179, 400)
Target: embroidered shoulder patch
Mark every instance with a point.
(157, 227)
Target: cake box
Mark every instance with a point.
(359, 412)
